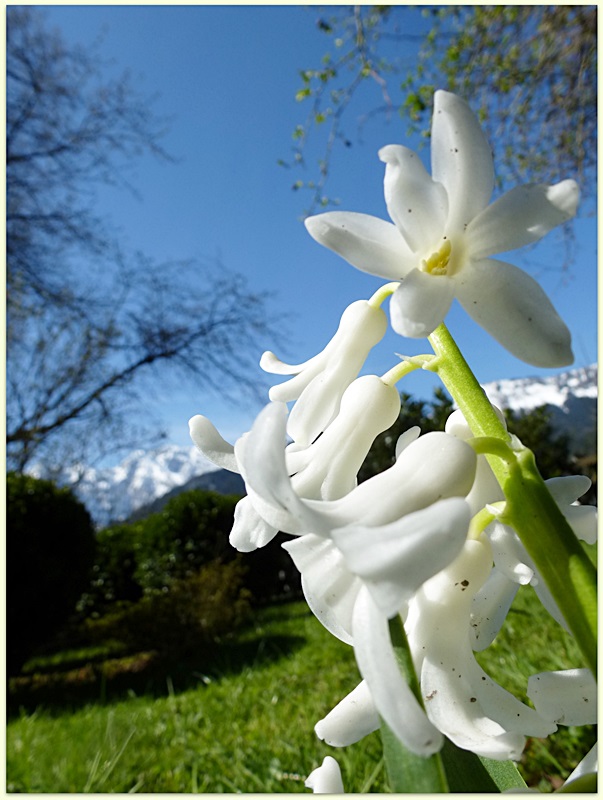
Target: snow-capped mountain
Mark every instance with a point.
(571, 398)
(525, 394)
(114, 493)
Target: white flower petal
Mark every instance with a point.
(416, 203)
(368, 243)
(504, 708)
(583, 520)
(461, 159)
(207, 439)
(409, 436)
(325, 779)
(394, 560)
(261, 456)
(453, 707)
(490, 608)
(368, 407)
(568, 488)
(568, 697)
(362, 326)
(438, 632)
(351, 720)
(514, 309)
(391, 695)
(520, 217)
(486, 489)
(420, 303)
(548, 601)
(509, 554)
(249, 530)
(329, 587)
(270, 363)
(566, 491)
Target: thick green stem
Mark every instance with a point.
(463, 386)
(531, 510)
(559, 556)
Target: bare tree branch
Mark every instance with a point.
(91, 328)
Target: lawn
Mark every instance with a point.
(241, 718)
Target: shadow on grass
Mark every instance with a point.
(146, 673)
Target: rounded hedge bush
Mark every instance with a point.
(50, 546)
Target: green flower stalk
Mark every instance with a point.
(530, 509)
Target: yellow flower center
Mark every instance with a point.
(437, 263)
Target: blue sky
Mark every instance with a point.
(227, 75)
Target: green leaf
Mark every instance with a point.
(467, 772)
(409, 773)
(302, 94)
(585, 783)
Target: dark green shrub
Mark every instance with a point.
(271, 574)
(190, 531)
(50, 549)
(135, 559)
(113, 572)
(176, 621)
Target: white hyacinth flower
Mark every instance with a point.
(383, 691)
(326, 779)
(471, 709)
(327, 469)
(434, 467)
(389, 563)
(382, 526)
(444, 232)
(319, 383)
(513, 566)
(462, 701)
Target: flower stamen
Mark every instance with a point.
(437, 263)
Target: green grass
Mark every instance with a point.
(241, 719)
(247, 725)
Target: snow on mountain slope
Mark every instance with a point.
(111, 493)
(525, 394)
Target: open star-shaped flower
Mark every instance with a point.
(444, 232)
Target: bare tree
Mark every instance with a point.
(91, 328)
